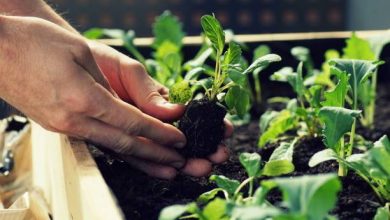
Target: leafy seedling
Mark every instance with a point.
(224, 90)
(304, 198)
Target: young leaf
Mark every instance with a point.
(336, 97)
(232, 56)
(266, 118)
(237, 100)
(166, 48)
(260, 51)
(200, 58)
(167, 28)
(374, 165)
(251, 163)
(280, 161)
(215, 209)
(225, 183)
(254, 212)
(173, 212)
(237, 77)
(322, 156)
(194, 73)
(287, 74)
(277, 168)
(207, 196)
(214, 32)
(94, 33)
(262, 62)
(180, 92)
(310, 196)
(359, 71)
(280, 124)
(338, 121)
(382, 213)
(301, 53)
(358, 48)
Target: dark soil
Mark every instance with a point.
(203, 126)
(142, 197)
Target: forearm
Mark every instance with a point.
(33, 8)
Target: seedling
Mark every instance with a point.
(308, 204)
(202, 122)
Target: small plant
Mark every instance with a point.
(202, 122)
(303, 198)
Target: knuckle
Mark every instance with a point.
(125, 146)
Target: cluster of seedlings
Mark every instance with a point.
(330, 102)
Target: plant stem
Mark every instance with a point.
(138, 56)
(239, 188)
(250, 193)
(371, 106)
(342, 167)
(257, 89)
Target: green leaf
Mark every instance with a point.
(338, 121)
(237, 77)
(165, 49)
(279, 125)
(199, 60)
(377, 43)
(237, 100)
(315, 93)
(207, 196)
(260, 51)
(336, 97)
(262, 62)
(214, 32)
(311, 196)
(94, 33)
(266, 118)
(254, 212)
(180, 92)
(322, 156)
(194, 73)
(359, 71)
(237, 121)
(167, 28)
(251, 163)
(374, 165)
(280, 161)
(382, 213)
(284, 151)
(287, 74)
(302, 54)
(215, 209)
(278, 167)
(232, 56)
(225, 183)
(173, 212)
(358, 48)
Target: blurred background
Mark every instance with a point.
(243, 16)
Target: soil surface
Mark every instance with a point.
(142, 197)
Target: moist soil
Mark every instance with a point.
(203, 126)
(143, 197)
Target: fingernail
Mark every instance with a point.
(178, 164)
(179, 145)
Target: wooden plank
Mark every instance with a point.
(69, 179)
(253, 38)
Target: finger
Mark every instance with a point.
(228, 128)
(132, 121)
(145, 93)
(122, 144)
(220, 156)
(197, 167)
(152, 169)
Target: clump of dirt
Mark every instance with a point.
(203, 126)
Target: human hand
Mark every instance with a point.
(131, 82)
(50, 74)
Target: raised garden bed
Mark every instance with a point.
(308, 149)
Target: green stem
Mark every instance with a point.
(138, 56)
(250, 193)
(242, 185)
(371, 107)
(342, 167)
(257, 89)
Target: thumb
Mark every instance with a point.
(148, 95)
